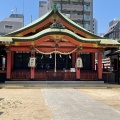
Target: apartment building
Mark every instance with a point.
(43, 7)
(95, 26)
(12, 23)
(80, 11)
(113, 31)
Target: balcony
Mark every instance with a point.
(72, 7)
(76, 17)
(87, 1)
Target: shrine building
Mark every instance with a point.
(52, 48)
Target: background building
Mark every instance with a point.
(101, 34)
(80, 11)
(43, 8)
(95, 26)
(14, 22)
(113, 31)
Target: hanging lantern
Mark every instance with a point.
(79, 63)
(32, 62)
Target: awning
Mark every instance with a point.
(117, 52)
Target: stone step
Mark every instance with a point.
(56, 84)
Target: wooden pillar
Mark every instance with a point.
(99, 66)
(73, 60)
(118, 69)
(77, 69)
(32, 70)
(12, 59)
(8, 65)
(93, 61)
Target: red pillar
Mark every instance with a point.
(77, 69)
(93, 61)
(99, 66)
(8, 65)
(12, 59)
(32, 70)
(73, 60)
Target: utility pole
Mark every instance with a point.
(23, 13)
(31, 18)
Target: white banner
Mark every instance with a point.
(32, 62)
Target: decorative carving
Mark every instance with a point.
(58, 25)
(95, 45)
(16, 44)
(6, 44)
(55, 8)
(32, 43)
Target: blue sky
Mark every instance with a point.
(104, 11)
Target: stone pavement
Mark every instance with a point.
(70, 104)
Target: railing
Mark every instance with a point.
(55, 76)
(72, 7)
(52, 76)
(88, 1)
(20, 74)
(89, 75)
(76, 17)
(70, 76)
(40, 75)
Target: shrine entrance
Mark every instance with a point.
(52, 45)
(47, 62)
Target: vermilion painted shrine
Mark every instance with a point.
(55, 43)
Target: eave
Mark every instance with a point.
(51, 33)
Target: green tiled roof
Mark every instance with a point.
(55, 31)
(51, 31)
(69, 33)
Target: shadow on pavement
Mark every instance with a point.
(1, 113)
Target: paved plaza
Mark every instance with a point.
(59, 104)
(70, 104)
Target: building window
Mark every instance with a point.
(58, 6)
(87, 16)
(87, 7)
(86, 26)
(8, 27)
